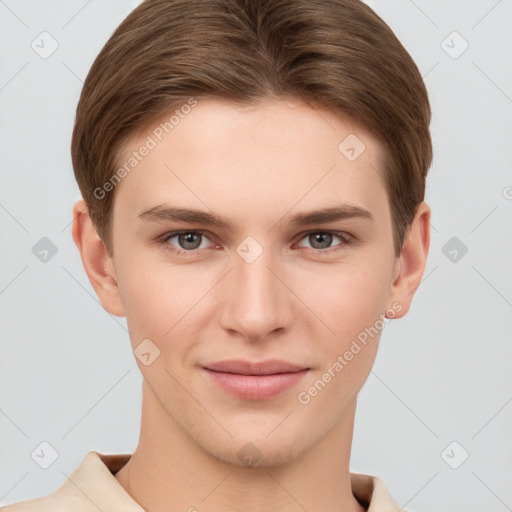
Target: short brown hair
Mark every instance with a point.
(336, 53)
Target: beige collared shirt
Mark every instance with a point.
(92, 487)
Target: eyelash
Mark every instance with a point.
(345, 238)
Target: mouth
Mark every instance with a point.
(255, 380)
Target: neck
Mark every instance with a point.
(169, 472)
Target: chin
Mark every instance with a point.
(257, 455)
(256, 448)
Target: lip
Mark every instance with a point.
(255, 380)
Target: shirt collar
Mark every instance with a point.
(93, 482)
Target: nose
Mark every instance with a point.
(256, 302)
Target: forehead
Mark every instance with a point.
(279, 151)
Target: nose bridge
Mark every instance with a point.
(257, 302)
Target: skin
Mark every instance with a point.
(254, 166)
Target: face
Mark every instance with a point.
(254, 276)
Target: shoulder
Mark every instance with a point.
(91, 487)
(54, 502)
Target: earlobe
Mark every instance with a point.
(412, 260)
(97, 264)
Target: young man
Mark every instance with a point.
(253, 175)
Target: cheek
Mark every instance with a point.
(348, 298)
(162, 303)
(352, 305)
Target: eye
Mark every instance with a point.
(188, 241)
(321, 241)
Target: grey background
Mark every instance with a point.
(68, 376)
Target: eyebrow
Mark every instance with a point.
(322, 216)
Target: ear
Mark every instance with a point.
(97, 264)
(411, 263)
